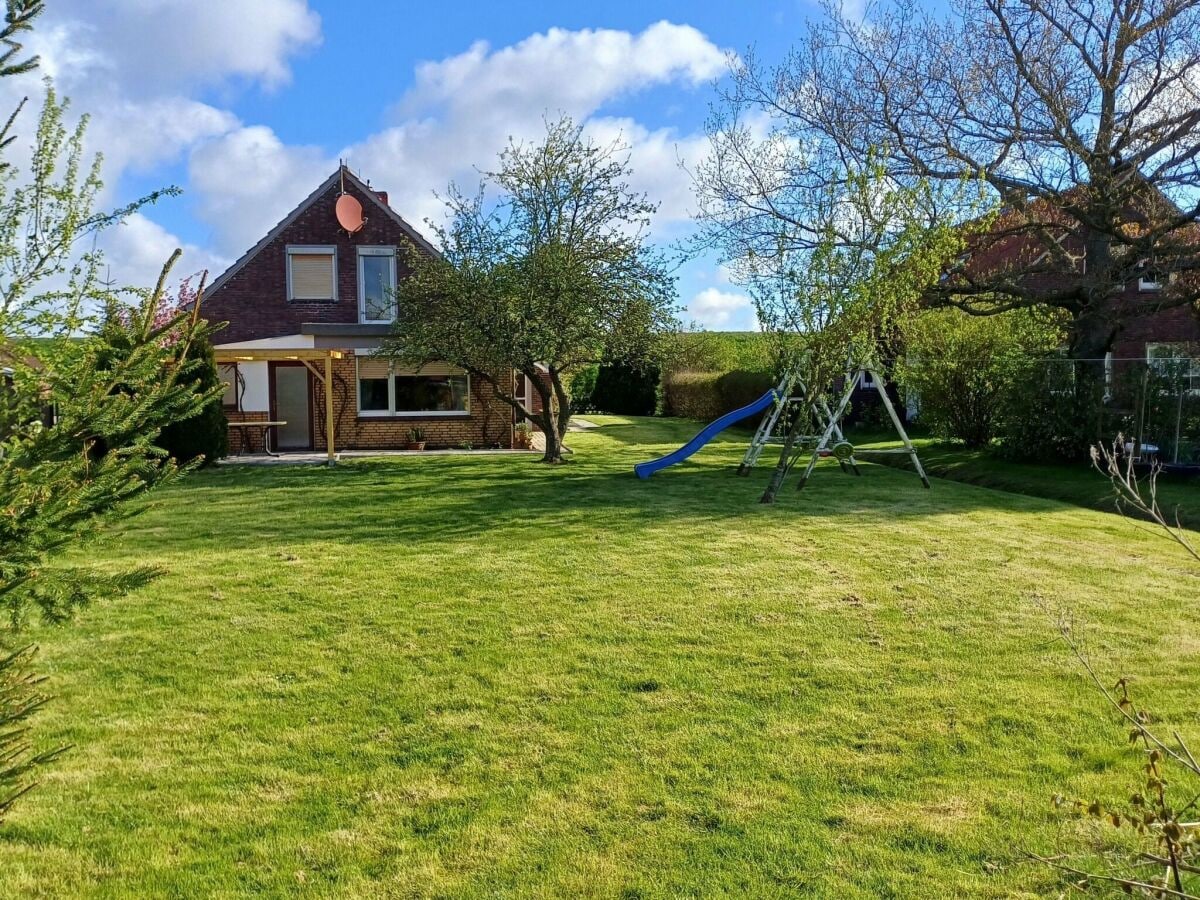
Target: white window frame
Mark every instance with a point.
(311, 249)
(1176, 348)
(391, 412)
(363, 252)
(1145, 285)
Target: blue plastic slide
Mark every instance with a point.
(710, 431)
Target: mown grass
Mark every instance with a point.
(478, 677)
(1178, 494)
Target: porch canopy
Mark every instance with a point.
(231, 354)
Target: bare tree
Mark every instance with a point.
(1079, 119)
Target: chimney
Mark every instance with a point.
(382, 195)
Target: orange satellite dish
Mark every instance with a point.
(349, 213)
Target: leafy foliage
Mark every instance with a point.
(581, 388)
(717, 351)
(964, 368)
(626, 388)
(556, 271)
(83, 402)
(204, 436)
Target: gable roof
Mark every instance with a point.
(342, 171)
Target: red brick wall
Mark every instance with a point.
(254, 300)
(1179, 325)
(245, 440)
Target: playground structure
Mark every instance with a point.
(794, 412)
(792, 409)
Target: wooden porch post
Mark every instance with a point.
(329, 406)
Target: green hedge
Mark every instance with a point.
(708, 395)
(717, 351)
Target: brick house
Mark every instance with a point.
(307, 307)
(1148, 334)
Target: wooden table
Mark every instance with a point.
(265, 428)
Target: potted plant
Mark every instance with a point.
(416, 439)
(522, 436)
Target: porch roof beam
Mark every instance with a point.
(238, 354)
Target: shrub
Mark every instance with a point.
(204, 435)
(692, 395)
(626, 389)
(1047, 413)
(581, 389)
(708, 395)
(965, 368)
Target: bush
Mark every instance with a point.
(708, 395)
(581, 389)
(964, 370)
(1048, 414)
(692, 395)
(717, 351)
(626, 389)
(205, 434)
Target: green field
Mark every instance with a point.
(475, 676)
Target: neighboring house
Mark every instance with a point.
(1148, 335)
(313, 298)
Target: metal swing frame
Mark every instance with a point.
(789, 394)
(832, 441)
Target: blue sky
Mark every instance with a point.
(247, 106)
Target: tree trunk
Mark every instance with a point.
(553, 454)
(795, 427)
(547, 419)
(563, 413)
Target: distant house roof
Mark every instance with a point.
(339, 173)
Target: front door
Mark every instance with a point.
(293, 406)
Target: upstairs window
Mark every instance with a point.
(376, 285)
(1148, 278)
(312, 273)
(1177, 363)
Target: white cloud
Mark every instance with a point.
(136, 249)
(156, 46)
(723, 310)
(248, 179)
(462, 110)
(575, 71)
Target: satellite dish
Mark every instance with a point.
(349, 213)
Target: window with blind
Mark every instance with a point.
(388, 390)
(312, 273)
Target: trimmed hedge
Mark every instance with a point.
(708, 395)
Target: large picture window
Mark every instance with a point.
(435, 390)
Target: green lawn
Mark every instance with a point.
(474, 676)
(1078, 484)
